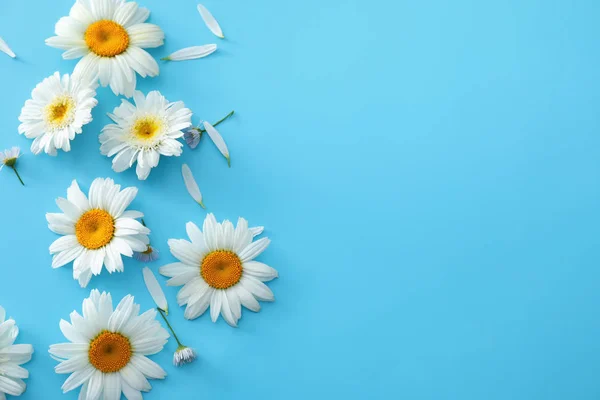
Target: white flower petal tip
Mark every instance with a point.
(191, 53)
(184, 355)
(191, 185)
(210, 21)
(257, 230)
(5, 49)
(155, 290)
(217, 139)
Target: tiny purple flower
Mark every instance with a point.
(192, 137)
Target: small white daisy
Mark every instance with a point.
(11, 357)
(217, 270)
(110, 36)
(58, 109)
(144, 132)
(9, 158)
(97, 231)
(183, 355)
(107, 352)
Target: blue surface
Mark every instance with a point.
(428, 172)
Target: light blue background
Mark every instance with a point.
(427, 171)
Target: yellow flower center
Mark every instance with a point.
(145, 128)
(221, 269)
(60, 112)
(109, 352)
(10, 162)
(95, 229)
(106, 38)
(149, 250)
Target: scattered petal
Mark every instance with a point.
(191, 53)
(210, 21)
(5, 49)
(191, 185)
(155, 290)
(218, 141)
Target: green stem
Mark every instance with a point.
(202, 130)
(18, 176)
(161, 311)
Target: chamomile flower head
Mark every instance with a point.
(144, 131)
(9, 157)
(12, 356)
(96, 230)
(183, 355)
(108, 36)
(149, 255)
(108, 348)
(218, 270)
(58, 109)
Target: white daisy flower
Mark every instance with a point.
(217, 270)
(110, 36)
(11, 357)
(9, 158)
(97, 231)
(58, 109)
(108, 349)
(144, 132)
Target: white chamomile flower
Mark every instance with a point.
(58, 109)
(110, 36)
(11, 357)
(183, 355)
(97, 230)
(108, 349)
(144, 132)
(217, 270)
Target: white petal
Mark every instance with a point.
(257, 230)
(191, 185)
(215, 304)
(192, 53)
(210, 21)
(155, 290)
(217, 139)
(254, 249)
(260, 271)
(5, 49)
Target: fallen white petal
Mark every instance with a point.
(4, 48)
(191, 185)
(217, 139)
(191, 53)
(155, 290)
(210, 21)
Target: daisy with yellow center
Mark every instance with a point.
(108, 349)
(218, 270)
(97, 230)
(144, 131)
(108, 36)
(58, 109)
